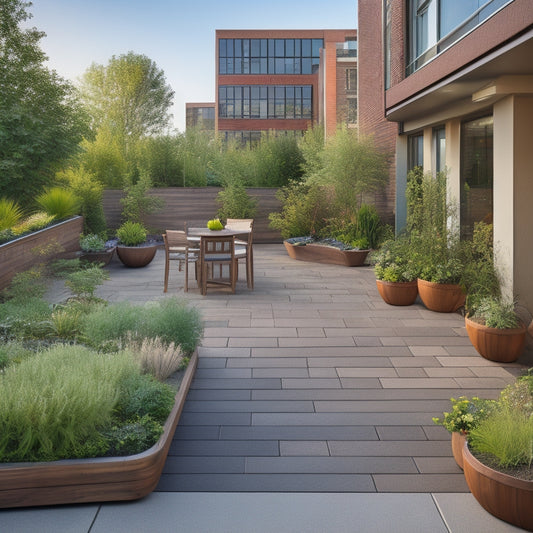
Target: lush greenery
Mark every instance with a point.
(92, 243)
(83, 378)
(497, 313)
(393, 262)
(465, 414)
(131, 234)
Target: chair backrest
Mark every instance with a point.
(175, 238)
(245, 224)
(217, 249)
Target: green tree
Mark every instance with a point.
(129, 95)
(41, 121)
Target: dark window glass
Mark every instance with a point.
(306, 47)
(271, 47)
(306, 91)
(222, 66)
(229, 65)
(289, 47)
(263, 109)
(476, 173)
(237, 67)
(289, 65)
(306, 65)
(317, 45)
(222, 93)
(254, 90)
(279, 92)
(263, 91)
(229, 48)
(222, 47)
(415, 147)
(297, 47)
(238, 47)
(271, 66)
(256, 47)
(246, 47)
(256, 65)
(280, 65)
(297, 65)
(264, 65)
(264, 48)
(306, 108)
(280, 48)
(289, 91)
(246, 66)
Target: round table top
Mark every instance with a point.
(206, 232)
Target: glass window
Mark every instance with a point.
(280, 65)
(351, 79)
(289, 47)
(306, 47)
(317, 45)
(306, 65)
(256, 47)
(238, 47)
(476, 173)
(246, 47)
(222, 48)
(439, 139)
(264, 48)
(415, 147)
(280, 48)
(222, 66)
(229, 48)
(256, 65)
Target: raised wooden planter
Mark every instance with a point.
(93, 480)
(19, 255)
(398, 293)
(98, 257)
(501, 345)
(321, 253)
(506, 497)
(441, 297)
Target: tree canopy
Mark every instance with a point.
(41, 122)
(129, 96)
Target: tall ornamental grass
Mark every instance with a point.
(10, 213)
(58, 202)
(52, 405)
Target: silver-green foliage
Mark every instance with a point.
(52, 405)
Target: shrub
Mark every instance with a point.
(133, 437)
(235, 202)
(92, 243)
(58, 202)
(34, 222)
(26, 285)
(142, 395)
(137, 203)
(158, 359)
(497, 313)
(131, 234)
(465, 414)
(35, 424)
(392, 262)
(84, 282)
(66, 322)
(10, 214)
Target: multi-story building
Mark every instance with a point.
(200, 115)
(455, 94)
(284, 80)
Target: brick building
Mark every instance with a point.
(450, 87)
(284, 80)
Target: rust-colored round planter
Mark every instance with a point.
(501, 345)
(458, 443)
(322, 253)
(441, 297)
(398, 293)
(506, 497)
(136, 256)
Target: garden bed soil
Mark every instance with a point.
(96, 479)
(321, 253)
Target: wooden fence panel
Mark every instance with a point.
(197, 205)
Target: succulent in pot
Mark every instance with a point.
(95, 250)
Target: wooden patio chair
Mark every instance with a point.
(219, 250)
(177, 248)
(244, 248)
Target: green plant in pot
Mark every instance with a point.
(95, 250)
(495, 330)
(132, 248)
(499, 454)
(395, 272)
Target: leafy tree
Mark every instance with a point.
(129, 96)
(41, 121)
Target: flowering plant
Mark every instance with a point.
(465, 414)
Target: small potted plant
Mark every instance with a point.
(464, 416)
(395, 272)
(95, 250)
(495, 330)
(498, 455)
(132, 248)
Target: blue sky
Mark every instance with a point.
(178, 35)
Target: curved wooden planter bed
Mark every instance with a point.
(97, 479)
(321, 253)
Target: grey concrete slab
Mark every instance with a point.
(204, 464)
(299, 448)
(357, 433)
(251, 406)
(204, 512)
(420, 482)
(339, 419)
(236, 383)
(219, 394)
(224, 448)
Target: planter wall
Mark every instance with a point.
(17, 256)
(93, 480)
(319, 253)
(196, 205)
(501, 345)
(506, 497)
(441, 297)
(398, 293)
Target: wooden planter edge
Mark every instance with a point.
(96, 479)
(321, 253)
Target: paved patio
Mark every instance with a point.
(314, 390)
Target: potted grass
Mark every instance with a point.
(133, 249)
(496, 331)
(395, 272)
(498, 456)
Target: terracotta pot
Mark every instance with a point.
(506, 497)
(458, 443)
(136, 256)
(501, 345)
(321, 253)
(398, 293)
(441, 297)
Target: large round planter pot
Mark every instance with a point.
(136, 256)
(321, 253)
(398, 293)
(458, 443)
(441, 297)
(501, 345)
(506, 497)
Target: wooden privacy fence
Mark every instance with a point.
(197, 205)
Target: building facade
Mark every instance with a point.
(200, 115)
(284, 81)
(455, 94)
